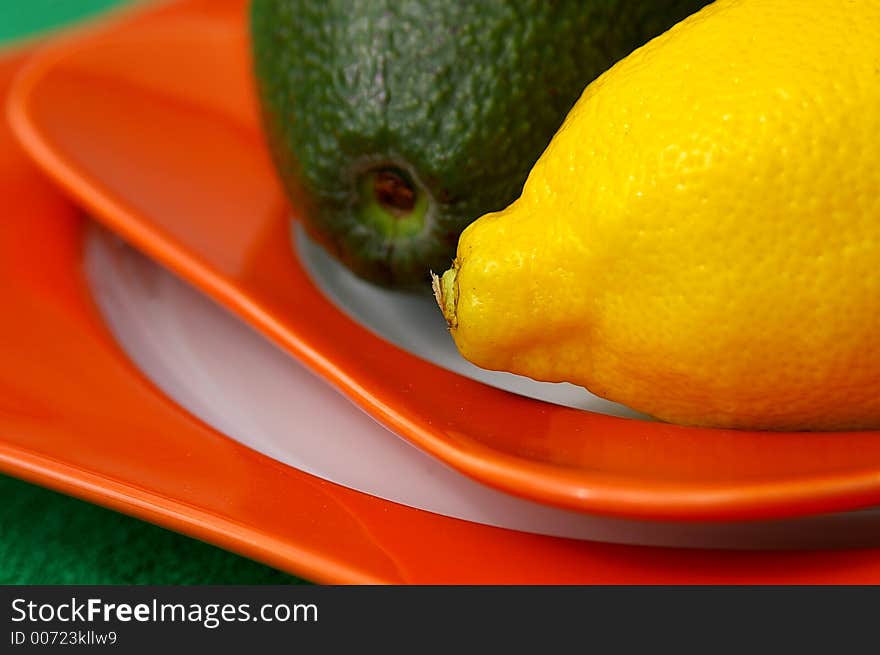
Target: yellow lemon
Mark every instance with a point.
(701, 239)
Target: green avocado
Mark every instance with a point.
(395, 123)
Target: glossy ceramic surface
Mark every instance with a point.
(236, 381)
(170, 157)
(76, 416)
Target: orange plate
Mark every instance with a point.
(152, 125)
(76, 416)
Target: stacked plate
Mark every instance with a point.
(199, 363)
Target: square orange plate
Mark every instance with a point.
(153, 126)
(77, 416)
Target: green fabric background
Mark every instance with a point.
(47, 538)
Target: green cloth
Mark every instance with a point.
(21, 18)
(47, 538)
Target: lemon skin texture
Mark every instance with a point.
(701, 239)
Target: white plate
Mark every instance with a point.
(233, 379)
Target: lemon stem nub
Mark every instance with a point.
(445, 293)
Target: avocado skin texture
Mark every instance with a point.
(459, 98)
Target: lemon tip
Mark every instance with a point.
(445, 294)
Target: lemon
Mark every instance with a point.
(701, 239)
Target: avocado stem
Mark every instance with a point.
(392, 203)
(446, 295)
(393, 192)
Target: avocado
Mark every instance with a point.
(395, 123)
